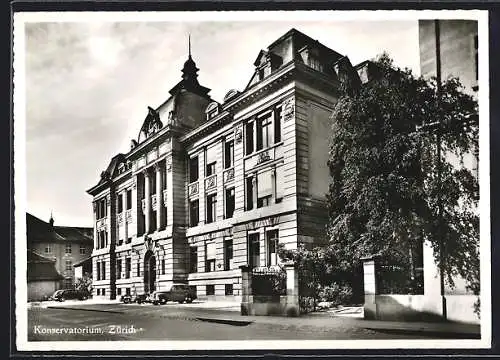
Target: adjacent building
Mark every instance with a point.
(210, 186)
(449, 48)
(62, 245)
(42, 277)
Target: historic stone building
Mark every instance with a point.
(63, 245)
(210, 186)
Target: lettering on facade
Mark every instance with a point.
(264, 270)
(270, 221)
(289, 109)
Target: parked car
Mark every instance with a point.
(69, 294)
(140, 298)
(126, 299)
(177, 292)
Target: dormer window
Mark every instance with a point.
(315, 63)
(212, 110)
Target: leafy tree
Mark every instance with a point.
(385, 192)
(84, 283)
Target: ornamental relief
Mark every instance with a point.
(238, 134)
(288, 109)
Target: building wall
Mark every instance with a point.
(40, 290)
(458, 53)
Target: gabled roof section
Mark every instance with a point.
(38, 231)
(151, 125)
(41, 268)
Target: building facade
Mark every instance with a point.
(64, 245)
(449, 48)
(210, 186)
(42, 277)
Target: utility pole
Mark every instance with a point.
(438, 127)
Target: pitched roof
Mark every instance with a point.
(40, 268)
(38, 230)
(82, 262)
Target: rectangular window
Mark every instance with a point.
(194, 213)
(272, 247)
(118, 268)
(103, 271)
(228, 289)
(249, 137)
(48, 249)
(315, 63)
(138, 267)
(210, 289)
(120, 242)
(249, 193)
(129, 199)
(210, 160)
(193, 169)
(210, 256)
(120, 203)
(127, 291)
(210, 169)
(229, 203)
(129, 240)
(98, 291)
(152, 182)
(264, 188)
(69, 265)
(279, 183)
(98, 266)
(211, 208)
(101, 209)
(193, 259)
(228, 154)
(128, 267)
(118, 291)
(277, 125)
(264, 139)
(68, 249)
(83, 250)
(103, 292)
(228, 254)
(254, 250)
(163, 266)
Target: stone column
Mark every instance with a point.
(159, 197)
(246, 290)
(292, 290)
(124, 214)
(147, 200)
(370, 287)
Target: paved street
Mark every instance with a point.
(172, 322)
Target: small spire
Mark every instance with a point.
(189, 44)
(51, 220)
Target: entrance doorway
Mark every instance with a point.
(149, 272)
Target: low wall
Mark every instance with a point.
(267, 305)
(392, 307)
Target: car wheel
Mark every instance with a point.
(188, 300)
(62, 299)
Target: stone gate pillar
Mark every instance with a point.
(292, 290)
(370, 286)
(246, 289)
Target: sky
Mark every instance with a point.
(89, 83)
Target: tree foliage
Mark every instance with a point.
(385, 190)
(84, 284)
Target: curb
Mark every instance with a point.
(225, 321)
(83, 309)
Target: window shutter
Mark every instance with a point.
(264, 184)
